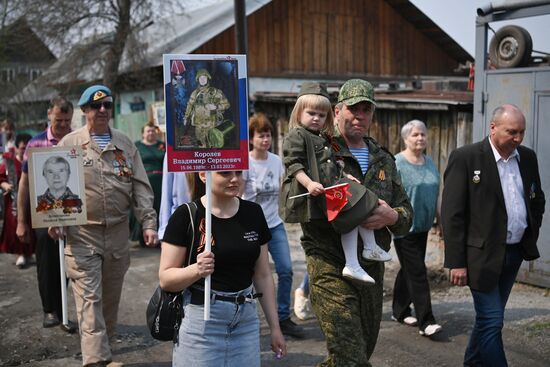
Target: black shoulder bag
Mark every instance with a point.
(165, 309)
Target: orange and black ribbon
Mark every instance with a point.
(202, 243)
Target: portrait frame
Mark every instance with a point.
(206, 110)
(57, 195)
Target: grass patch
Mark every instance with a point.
(538, 328)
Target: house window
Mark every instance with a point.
(34, 73)
(7, 75)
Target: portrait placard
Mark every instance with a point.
(206, 112)
(56, 187)
(158, 113)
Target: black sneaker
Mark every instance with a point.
(288, 327)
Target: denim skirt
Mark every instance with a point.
(231, 338)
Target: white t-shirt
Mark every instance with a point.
(262, 183)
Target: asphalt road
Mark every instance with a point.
(23, 341)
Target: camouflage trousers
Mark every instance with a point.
(349, 313)
(201, 132)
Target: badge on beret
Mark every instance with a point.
(476, 178)
(98, 95)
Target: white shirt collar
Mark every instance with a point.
(497, 155)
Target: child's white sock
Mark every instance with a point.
(349, 245)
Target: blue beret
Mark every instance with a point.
(94, 93)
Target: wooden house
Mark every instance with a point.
(391, 43)
(23, 58)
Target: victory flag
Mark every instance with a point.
(337, 198)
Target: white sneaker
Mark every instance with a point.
(431, 330)
(409, 320)
(302, 308)
(20, 262)
(357, 273)
(376, 254)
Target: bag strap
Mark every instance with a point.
(192, 209)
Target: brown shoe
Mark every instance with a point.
(50, 320)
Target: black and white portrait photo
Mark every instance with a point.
(56, 186)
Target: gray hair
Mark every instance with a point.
(407, 128)
(55, 160)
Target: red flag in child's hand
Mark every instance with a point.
(337, 198)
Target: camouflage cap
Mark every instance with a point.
(356, 90)
(202, 72)
(310, 87)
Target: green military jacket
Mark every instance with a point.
(382, 178)
(197, 111)
(312, 153)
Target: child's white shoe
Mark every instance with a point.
(376, 254)
(357, 273)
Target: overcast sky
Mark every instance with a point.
(457, 19)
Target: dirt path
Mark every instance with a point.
(23, 341)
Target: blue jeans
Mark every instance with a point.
(280, 253)
(231, 338)
(485, 347)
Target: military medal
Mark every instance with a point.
(382, 175)
(476, 178)
(121, 166)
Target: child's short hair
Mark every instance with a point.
(316, 102)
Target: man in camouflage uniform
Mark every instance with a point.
(205, 108)
(350, 312)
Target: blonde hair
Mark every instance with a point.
(316, 102)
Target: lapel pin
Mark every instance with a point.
(476, 177)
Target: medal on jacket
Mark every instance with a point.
(476, 178)
(121, 165)
(382, 175)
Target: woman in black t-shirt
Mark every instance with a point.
(238, 262)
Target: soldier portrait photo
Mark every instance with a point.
(205, 111)
(56, 171)
(56, 186)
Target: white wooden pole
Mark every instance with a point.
(62, 277)
(208, 245)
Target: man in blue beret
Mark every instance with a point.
(97, 254)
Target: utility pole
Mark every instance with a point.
(241, 35)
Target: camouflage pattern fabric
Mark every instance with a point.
(356, 90)
(350, 313)
(201, 116)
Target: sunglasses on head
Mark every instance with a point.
(97, 105)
